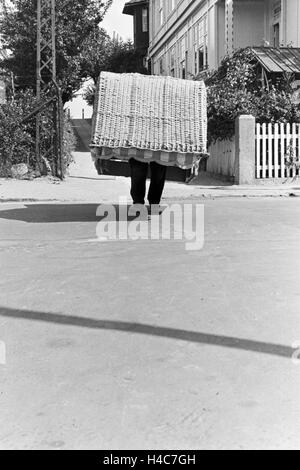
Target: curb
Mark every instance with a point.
(203, 195)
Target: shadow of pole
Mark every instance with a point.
(144, 329)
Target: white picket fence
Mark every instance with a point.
(274, 143)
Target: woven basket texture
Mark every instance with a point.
(150, 113)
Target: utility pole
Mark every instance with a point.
(47, 87)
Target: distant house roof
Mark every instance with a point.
(278, 60)
(131, 4)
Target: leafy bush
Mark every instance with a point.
(76, 24)
(237, 88)
(17, 139)
(90, 94)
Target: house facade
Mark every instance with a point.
(189, 36)
(139, 9)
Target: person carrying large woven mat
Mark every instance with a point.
(161, 121)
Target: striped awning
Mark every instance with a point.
(278, 60)
(185, 161)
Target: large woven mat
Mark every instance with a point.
(150, 113)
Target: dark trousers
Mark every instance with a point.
(139, 171)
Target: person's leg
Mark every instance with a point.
(158, 179)
(139, 172)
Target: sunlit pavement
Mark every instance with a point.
(83, 184)
(141, 344)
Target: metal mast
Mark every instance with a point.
(47, 88)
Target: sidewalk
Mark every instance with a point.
(84, 185)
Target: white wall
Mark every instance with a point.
(221, 32)
(212, 37)
(249, 25)
(291, 19)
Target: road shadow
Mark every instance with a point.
(60, 213)
(207, 180)
(151, 330)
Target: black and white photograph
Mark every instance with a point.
(149, 228)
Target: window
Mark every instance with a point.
(161, 66)
(183, 48)
(277, 11)
(276, 23)
(200, 46)
(172, 62)
(183, 69)
(200, 59)
(186, 63)
(145, 20)
(276, 35)
(183, 57)
(172, 58)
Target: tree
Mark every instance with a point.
(101, 53)
(94, 54)
(75, 22)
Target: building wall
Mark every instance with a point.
(281, 22)
(221, 28)
(249, 24)
(275, 18)
(291, 22)
(141, 37)
(216, 27)
(178, 44)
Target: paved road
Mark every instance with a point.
(143, 344)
